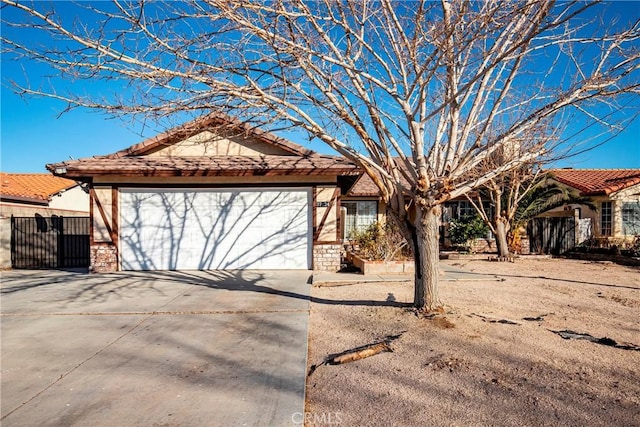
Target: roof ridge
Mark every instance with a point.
(188, 129)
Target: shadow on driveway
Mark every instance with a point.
(162, 348)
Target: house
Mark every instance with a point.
(214, 193)
(41, 195)
(616, 194)
(28, 191)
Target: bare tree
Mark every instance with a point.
(413, 92)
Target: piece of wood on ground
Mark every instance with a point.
(358, 353)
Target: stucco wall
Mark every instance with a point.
(212, 144)
(75, 199)
(326, 219)
(102, 214)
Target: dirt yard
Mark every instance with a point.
(482, 363)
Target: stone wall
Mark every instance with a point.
(326, 257)
(483, 246)
(104, 258)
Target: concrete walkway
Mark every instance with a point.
(449, 274)
(143, 349)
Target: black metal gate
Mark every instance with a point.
(49, 242)
(553, 235)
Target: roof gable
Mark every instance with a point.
(593, 182)
(32, 187)
(214, 134)
(215, 145)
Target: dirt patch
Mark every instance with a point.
(493, 359)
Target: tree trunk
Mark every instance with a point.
(501, 237)
(427, 255)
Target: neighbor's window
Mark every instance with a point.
(466, 209)
(606, 218)
(360, 214)
(631, 218)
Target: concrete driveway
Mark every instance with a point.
(160, 348)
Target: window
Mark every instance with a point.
(606, 218)
(462, 209)
(360, 215)
(466, 209)
(631, 218)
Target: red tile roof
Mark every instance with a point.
(593, 182)
(32, 187)
(266, 165)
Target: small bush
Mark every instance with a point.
(380, 242)
(464, 230)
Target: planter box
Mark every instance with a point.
(381, 267)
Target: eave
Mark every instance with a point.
(204, 166)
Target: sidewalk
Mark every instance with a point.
(448, 274)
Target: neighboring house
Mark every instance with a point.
(616, 194)
(31, 194)
(213, 194)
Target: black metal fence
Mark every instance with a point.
(49, 242)
(554, 235)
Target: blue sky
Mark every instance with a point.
(33, 133)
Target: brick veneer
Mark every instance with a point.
(104, 258)
(326, 257)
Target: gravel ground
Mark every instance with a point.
(471, 366)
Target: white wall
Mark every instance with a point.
(74, 199)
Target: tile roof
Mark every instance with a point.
(32, 187)
(265, 165)
(593, 182)
(364, 187)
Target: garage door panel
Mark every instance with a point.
(224, 229)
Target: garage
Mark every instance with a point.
(213, 194)
(202, 229)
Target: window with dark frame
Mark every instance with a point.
(631, 218)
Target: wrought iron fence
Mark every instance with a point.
(49, 242)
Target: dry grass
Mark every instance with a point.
(466, 367)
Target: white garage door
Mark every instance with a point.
(222, 229)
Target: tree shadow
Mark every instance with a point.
(556, 279)
(225, 229)
(78, 287)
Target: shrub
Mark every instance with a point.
(380, 242)
(464, 230)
